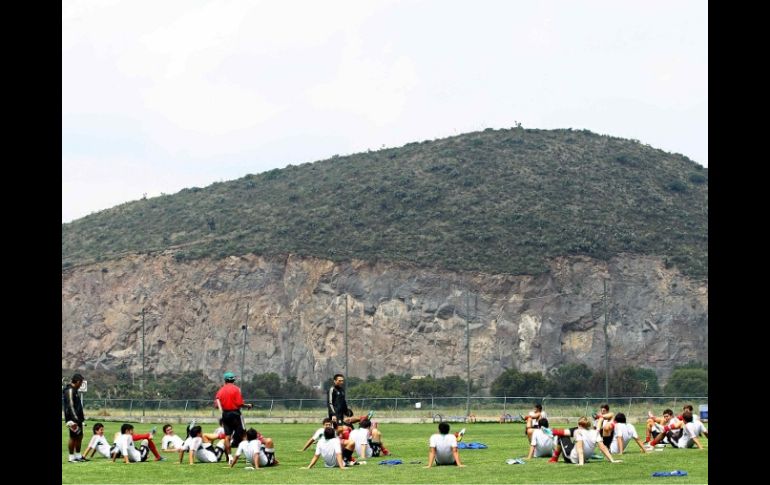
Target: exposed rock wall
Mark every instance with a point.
(400, 319)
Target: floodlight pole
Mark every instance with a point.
(346, 335)
(144, 397)
(468, 354)
(606, 348)
(245, 328)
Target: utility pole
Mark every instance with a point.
(245, 328)
(346, 336)
(606, 348)
(144, 397)
(468, 353)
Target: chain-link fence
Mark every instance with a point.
(457, 408)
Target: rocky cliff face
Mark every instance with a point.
(400, 319)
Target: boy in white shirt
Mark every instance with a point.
(124, 446)
(541, 441)
(194, 446)
(443, 448)
(359, 440)
(258, 453)
(586, 440)
(319, 433)
(170, 441)
(98, 443)
(691, 431)
(623, 433)
(330, 449)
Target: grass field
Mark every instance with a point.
(408, 442)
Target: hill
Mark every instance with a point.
(499, 201)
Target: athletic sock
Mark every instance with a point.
(347, 454)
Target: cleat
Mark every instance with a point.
(461, 434)
(370, 414)
(160, 458)
(553, 460)
(153, 430)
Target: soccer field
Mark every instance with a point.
(407, 442)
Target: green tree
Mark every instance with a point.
(515, 383)
(688, 381)
(634, 381)
(571, 380)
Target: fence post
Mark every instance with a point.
(505, 401)
(431, 404)
(300, 404)
(185, 405)
(130, 406)
(270, 413)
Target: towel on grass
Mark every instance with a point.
(675, 473)
(391, 462)
(473, 445)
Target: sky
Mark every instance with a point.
(162, 95)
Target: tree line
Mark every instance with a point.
(570, 380)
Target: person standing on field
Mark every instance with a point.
(73, 415)
(335, 401)
(230, 401)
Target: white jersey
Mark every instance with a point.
(171, 442)
(590, 438)
(328, 450)
(443, 443)
(248, 449)
(125, 444)
(690, 431)
(319, 433)
(361, 438)
(100, 444)
(535, 423)
(624, 431)
(194, 445)
(542, 442)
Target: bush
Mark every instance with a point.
(688, 382)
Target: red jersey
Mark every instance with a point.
(230, 397)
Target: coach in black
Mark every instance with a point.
(73, 414)
(336, 403)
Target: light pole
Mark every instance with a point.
(346, 335)
(144, 398)
(245, 328)
(606, 348)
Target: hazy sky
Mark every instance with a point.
(166, 94)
